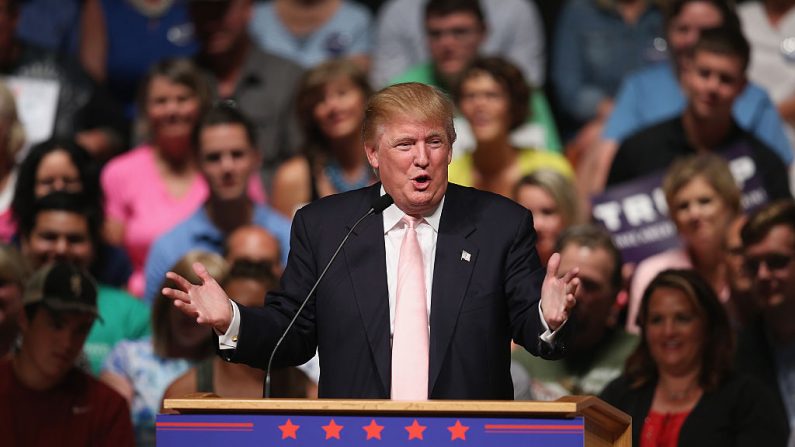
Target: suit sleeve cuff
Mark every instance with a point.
(548, 336)
(228, 340)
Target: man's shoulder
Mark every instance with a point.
(343, 204)
(267, 216)
(185, 230)
(482, 205)
(652, 134)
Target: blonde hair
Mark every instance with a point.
(710, 167)
(162, 336)
(411, 99)
(560, 188)
(15, 138)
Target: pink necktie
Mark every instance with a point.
(410, 340)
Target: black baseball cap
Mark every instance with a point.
(62, 286)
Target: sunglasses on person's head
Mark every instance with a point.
(773, 261)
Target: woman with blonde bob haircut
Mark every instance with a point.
(703, 199)
(12, 138)
(141, 370)
(552, 198)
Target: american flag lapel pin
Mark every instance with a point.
(465, 256)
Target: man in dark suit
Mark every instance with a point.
(479, 275)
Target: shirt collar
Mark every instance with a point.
(392, 215)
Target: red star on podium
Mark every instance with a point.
(332, 430)
(458, 431)
(289, 430)
(373, 430)
(415, 430)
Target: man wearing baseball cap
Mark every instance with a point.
(44, 398)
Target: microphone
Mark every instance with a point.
(376, 207)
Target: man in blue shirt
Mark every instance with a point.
(227, 158)
(654, 94)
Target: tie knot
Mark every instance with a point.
(412, 221)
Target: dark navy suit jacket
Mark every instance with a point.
(477, 306)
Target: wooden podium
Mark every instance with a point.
(570, 421)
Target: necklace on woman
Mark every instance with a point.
(336, 177)
(678, 395)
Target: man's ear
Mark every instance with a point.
(372, 154)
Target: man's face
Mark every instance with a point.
(220, 25)
(412, 158)
(59, 235)
(770, 264)
(52, 342)
(453, 41)
(595, 295)
(712, 82)
(227, 159)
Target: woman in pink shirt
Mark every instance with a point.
(156, 185)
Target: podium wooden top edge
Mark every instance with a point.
(569, 406)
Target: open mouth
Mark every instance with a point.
(421, 182)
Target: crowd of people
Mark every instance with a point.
(138, 137)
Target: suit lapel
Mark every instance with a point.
(455, 259)
(365, 256)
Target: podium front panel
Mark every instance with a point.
(305, 430)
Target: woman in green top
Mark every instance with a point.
(493, 96)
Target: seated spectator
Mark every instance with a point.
(64, 226)
(600, 346)
(596, 44)
(678, 386)
(331, 102)
(40, 383)
(63, 165)
(156, 185)
(492, 95)
(254, 244)
(249, 76)
(657, 93)
(310, 33)
(703, 199)
(141, 370)
(121, 40)
(514, 30)
(13, 276)
(226, 149)
(715, 78)
(455, 31)
(248, 282)
(83, 110)
(12, 137)
(766, 346)
(553, 201)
